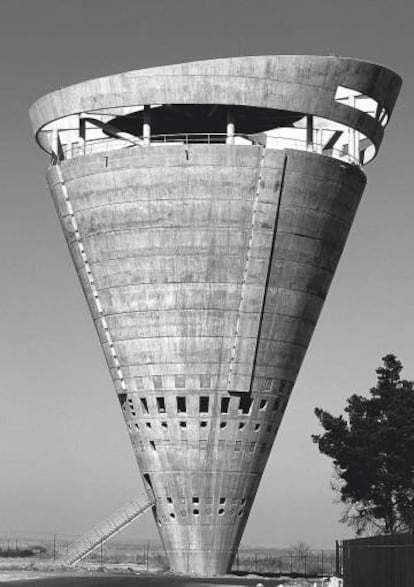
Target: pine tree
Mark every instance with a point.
(372, 448)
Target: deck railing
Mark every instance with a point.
(270, 141)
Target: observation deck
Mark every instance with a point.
(332, 106)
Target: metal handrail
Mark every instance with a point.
(105, 145)
(107, 528)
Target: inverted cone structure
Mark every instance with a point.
(206, 256)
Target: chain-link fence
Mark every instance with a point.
(150, 555)
(284, 562)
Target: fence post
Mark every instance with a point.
(337, 559)
(322, 562)
(305, 565)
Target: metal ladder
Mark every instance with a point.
(106, 529)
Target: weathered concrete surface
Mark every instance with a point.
(205, 268)
(167, 236)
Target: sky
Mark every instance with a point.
(65, 457)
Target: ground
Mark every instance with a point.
(130, 576)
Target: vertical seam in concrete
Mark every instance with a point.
(246, 266)
(91, 280)
(269, 268)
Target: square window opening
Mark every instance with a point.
(205, 381)
(181, 404)
(276, 404)
(224, 408)
(204, 403)
(157, 381)
(245, 404)
(180, 381)
(161, 405)
(267, 386)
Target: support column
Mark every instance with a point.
(56, 145)
(309, 133)
(317, 147)
(352, 135)
(146, 127)
(55, 142)
(230, 129)
(82, 134)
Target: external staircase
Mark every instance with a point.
(106, 529)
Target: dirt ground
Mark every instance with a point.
(38, 579)
(44, 575)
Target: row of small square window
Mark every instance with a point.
(196, 511)
(180, 382)
(209, 500)
(203, 424)
(203, 444)
(245, 404)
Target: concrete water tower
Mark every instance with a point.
(206, 206)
